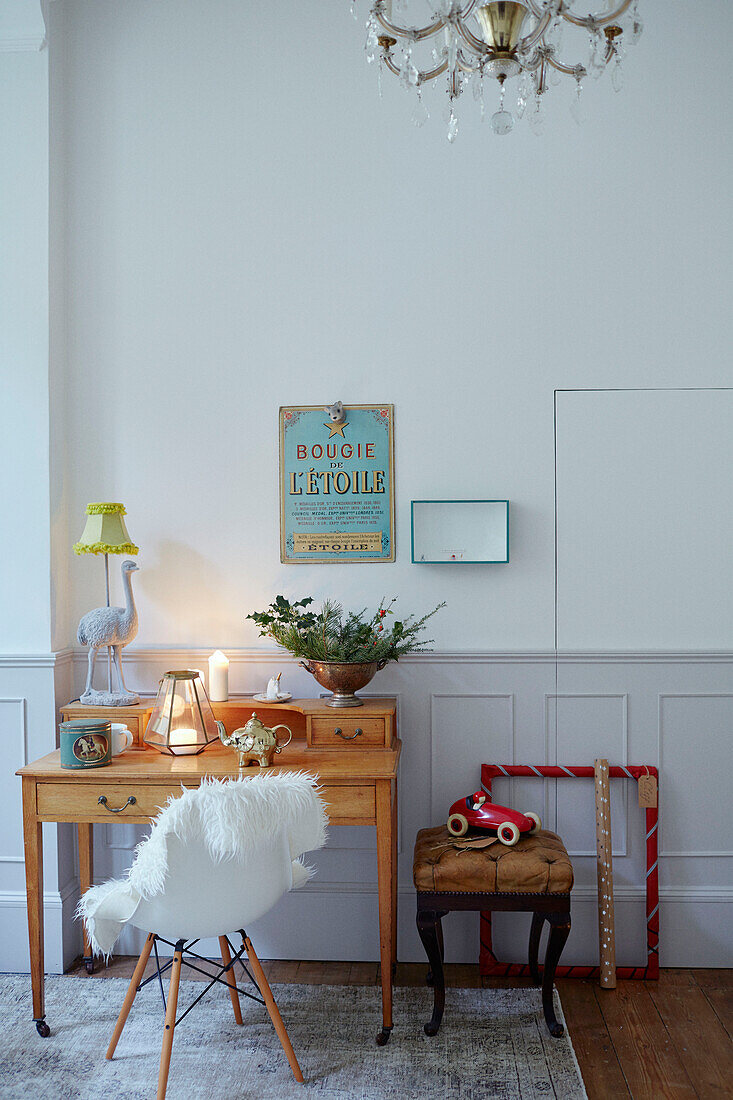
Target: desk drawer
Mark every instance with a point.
(336, 732)
(80, 800)
(350, 805)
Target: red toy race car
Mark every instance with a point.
(477, 812)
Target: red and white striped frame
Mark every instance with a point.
(488, 962)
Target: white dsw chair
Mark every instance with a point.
(217, 858)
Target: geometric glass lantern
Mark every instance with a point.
(182, 722)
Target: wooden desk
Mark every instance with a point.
(359, 786)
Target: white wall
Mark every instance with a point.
(24, 436)
(30, 674)
(644, 520)
(242, 228)
(252, 227)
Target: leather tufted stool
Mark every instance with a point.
(535, 875)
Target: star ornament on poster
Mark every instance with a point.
(336, 429)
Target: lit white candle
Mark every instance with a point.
(183, 741)
(218, 677)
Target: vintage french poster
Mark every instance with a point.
(337, 483)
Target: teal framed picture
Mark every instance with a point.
(337, 484)
(460, 532)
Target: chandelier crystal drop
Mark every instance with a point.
(521, 46)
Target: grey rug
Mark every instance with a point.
(492, 1043)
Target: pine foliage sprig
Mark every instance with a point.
(332, 635)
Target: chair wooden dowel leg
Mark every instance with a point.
(170, 1022)
(226, 958)
(273, 1010)
(137, 977)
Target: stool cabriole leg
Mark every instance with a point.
(441, 946)
(535, 932)
(559, 932)
(429, 929)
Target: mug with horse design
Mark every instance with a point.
(85, 743)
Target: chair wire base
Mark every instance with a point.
(224, 976)
(187, 953)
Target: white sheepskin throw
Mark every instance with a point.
(232, 817)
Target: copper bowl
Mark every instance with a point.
(343, 679)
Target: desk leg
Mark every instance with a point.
(385, 845)
(33, 845)
(395, 836)
(86, 879)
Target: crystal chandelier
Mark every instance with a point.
(520, 45)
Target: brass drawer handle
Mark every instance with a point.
(339, 733)
(102, 801)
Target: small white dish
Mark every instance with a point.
(282, 697)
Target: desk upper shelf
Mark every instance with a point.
(369, 727)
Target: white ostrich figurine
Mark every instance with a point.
(114, 627)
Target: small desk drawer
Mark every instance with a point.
(79, 800)
(135, 718)
(350, 805)
(334, 733)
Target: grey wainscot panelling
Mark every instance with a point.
(28, 684)
(459, 710)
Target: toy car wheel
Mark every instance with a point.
(537, 822)
(508, 833)
(458, 825)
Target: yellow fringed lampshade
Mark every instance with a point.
(105, 531)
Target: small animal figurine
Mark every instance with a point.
(477, 812)
(114, 627)
(273, 687)
(336, 412)
(255, 742)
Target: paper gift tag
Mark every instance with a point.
(647, 791)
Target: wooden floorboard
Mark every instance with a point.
(283, 970)
(323, 973)
(363, 973)
(700, 1040)
(412, 974)
(594, 1049)
(665, 1040)
(721, 1001)
(714, 979)
(647, 1056)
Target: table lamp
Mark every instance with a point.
(105, 533)
(182, 722)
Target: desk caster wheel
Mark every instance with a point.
(383, 1036)
(89, 965)
(43, 1029)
